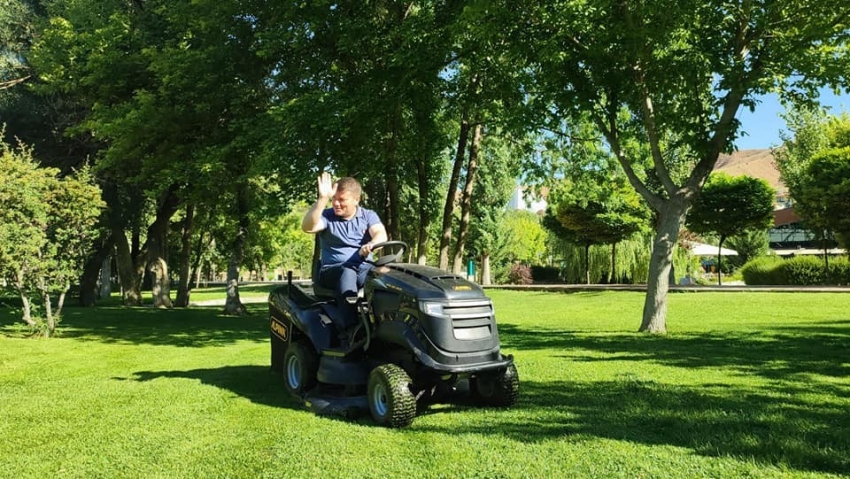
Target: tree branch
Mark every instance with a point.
(9, 84)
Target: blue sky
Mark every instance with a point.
(763, 125)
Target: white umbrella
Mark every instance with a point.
(702, 249)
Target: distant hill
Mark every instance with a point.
(756, 163)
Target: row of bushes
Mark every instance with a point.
(799, 270)
(766, 270)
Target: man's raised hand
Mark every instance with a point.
(327, 187)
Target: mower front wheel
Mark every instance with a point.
(391, 402)
(499, 390)
(300, 364)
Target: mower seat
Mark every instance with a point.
(318, 290)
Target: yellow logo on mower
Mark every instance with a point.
(279, 329)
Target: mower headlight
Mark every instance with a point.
(431, 309)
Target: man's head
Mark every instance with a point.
(347, 197)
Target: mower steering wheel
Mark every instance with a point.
(390, 258)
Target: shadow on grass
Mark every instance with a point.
(716, 421)
(192, 327)
(820, 348)
(797, 418)
(255, 383)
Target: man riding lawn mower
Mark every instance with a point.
(420, 335)
(377, 333)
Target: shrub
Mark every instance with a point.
(545, 274)
(763, 270)
(519, 274)
(839, 271)
(799, 270)
(803, 270)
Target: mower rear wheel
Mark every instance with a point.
(391, 402)
(300, 364)
(500, 389)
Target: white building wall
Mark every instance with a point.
(520, 200)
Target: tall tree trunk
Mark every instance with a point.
(392, 173)
(157, 248)
(48, 307)
(587, 263)
(613, 278)
(828, 276)
(451, 193)
(91, 271)
(670, 219)
(184, 274)
(424, 216)
(60, 303)
(25, 300)
(485, 269)
(199, 257)
(233, 305)
(719, 261)
(466, 201)
(131, 281)
(105, 278)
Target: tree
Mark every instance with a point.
(589, 212)
(492, 229)
(672, 76)
(825, 193)
(525, 237)
(816, 137)
(47, 224)
(750, 244)
(731, 205)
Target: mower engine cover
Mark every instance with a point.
(450, 316)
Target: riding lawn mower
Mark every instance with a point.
(423, 335)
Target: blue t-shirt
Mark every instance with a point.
(341, 239)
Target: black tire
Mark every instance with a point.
(300, 364)
(390, 400)
(500, 389)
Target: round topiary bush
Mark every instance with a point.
(763, 270)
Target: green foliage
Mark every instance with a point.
(805, 138)
(763, 270)
(594, 211)
(502, 235)
(749, 244)
(47, 225)
(825, 193)
(799, 271)
(839, 271)
(295, 251)
(803, 271)
(17, 23)
(525, 238)
(632, 260)
(814, 165)
(729, 206)
(597, 211)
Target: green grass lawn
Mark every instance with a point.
(745, 385)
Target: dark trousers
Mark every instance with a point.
(345, 280)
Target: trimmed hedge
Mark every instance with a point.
(796, 271)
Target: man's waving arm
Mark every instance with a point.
(313, 221)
